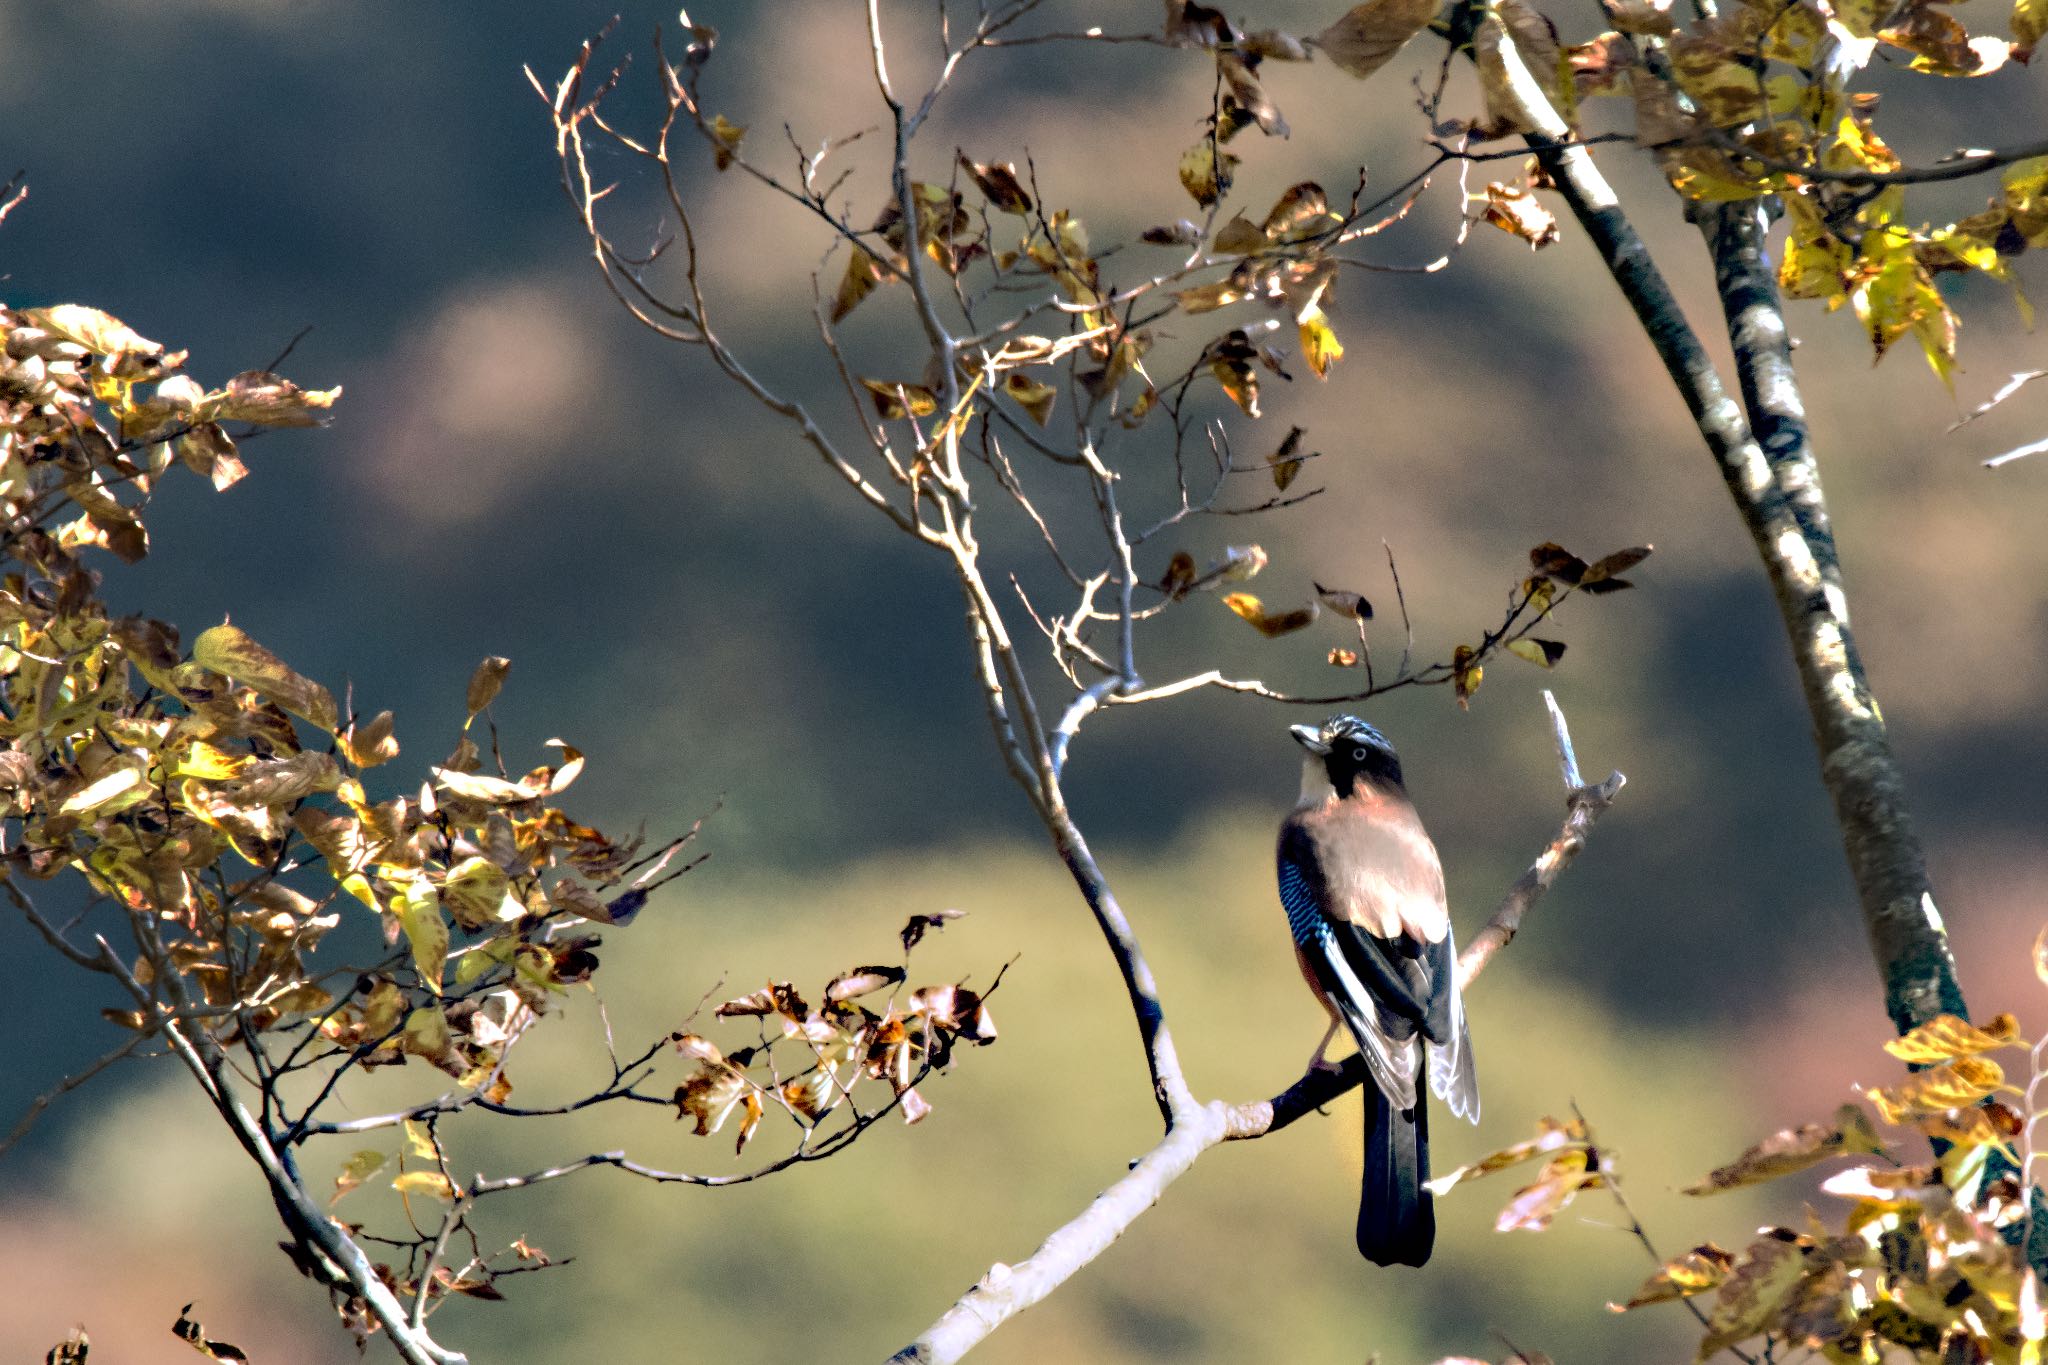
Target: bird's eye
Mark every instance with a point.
(1358, 755)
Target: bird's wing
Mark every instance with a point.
(1451, 1073)
(1379, 1002)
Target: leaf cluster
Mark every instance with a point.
(1925, 1261)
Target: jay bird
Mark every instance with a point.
(1364, 895)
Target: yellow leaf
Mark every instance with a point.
(383, 1007)
(1697, 1271)
(208, 763)
(101, 795)
(1270, 626)
(427, 1035)
(478, 894)
(1562, 1178)
(1542, 653)
(1552, 1135)
(355, 1171)
(893, 401)
(1206, 171)
(1367, 36)
(419, 914)
(357, 885)
(480, 787)
(1035, 398)
(419, 1141)
(1947, 1037)
(863, 273)
(370, 742)
(2029, 23)
(1465, 675)
(229, 651)
(726, 135)
(1319, 345)
(431, 1183)
(1966, 1080)
(98, 332)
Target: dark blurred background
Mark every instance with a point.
(689, 596)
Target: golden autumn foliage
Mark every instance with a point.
(231, 815)
(1920, 1261)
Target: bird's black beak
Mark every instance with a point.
(1310, 738)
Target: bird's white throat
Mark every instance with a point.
(1315, 783)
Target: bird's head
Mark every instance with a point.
(1340, 751)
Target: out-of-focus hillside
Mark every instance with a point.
(515, 469)
(1249, 1254)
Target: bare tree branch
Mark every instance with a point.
(1006, 1290)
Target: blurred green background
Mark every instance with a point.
(689, 597)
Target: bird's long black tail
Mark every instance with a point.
(1396, 1217)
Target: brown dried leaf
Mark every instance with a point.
(1231, 357)
(1554, 561)
(860, 981)
(915, 928)
(271, 400)
(485, 682)
(1795, 1149)
(1601, 66)
(1286, 460)
(193, 1335)
(1303, 211)
(1367, 36)
(999, 184)
(1244, 99)
(1465, 675)
(1761, 1280)
(1238, 237)
(1180, 575)
(1515, 211)
(1607, 566)
(1649, 17)
(369, 743)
